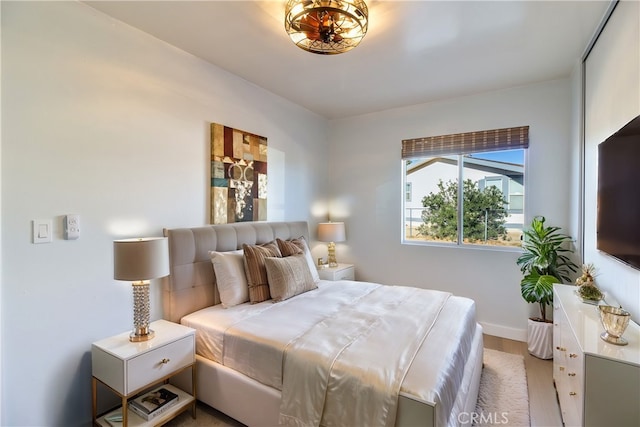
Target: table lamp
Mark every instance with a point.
(140, 260)
(331, 232)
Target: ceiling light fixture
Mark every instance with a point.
(326, 27)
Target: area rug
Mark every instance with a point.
(503, 399)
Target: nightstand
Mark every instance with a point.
(128, 368)
(341, 272)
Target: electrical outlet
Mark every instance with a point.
(71, 227)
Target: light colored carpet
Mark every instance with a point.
(206, 416)
(503, 399)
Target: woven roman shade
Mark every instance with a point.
(469, 142)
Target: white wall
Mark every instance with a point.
(612, 98)
(367, 190)
(1, 300)
(104, 121)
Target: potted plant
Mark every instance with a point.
(543, 263)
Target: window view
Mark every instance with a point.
(472, 198)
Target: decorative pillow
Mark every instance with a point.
(288, 247)
(255, 270)
(231, 280)
(288, 277)
(297, 246)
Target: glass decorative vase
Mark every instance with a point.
(615, 321)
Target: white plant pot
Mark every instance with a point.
(540, 339)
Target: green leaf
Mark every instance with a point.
(536, 288)
(543, 262)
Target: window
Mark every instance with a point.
(465, 188)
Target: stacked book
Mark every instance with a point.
(152, 404)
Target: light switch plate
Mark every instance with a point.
(42, 230)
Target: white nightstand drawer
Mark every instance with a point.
(341, 272)
(160, 362)
(346, 274)
(128, 367)
(122, 364)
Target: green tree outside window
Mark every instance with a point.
(484, 213)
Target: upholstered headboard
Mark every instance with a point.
(190, 285)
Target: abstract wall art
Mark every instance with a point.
(238, 175)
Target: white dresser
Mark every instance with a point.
(598, 383)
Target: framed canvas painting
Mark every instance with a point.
(238, 175)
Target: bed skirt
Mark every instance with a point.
(257, 405)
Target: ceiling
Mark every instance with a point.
(414, 52)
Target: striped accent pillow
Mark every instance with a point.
(256, 271)
(299, 246)
(288, 277)
(290, 247)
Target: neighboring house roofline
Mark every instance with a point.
(512, 170)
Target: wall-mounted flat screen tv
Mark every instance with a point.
(618, 218)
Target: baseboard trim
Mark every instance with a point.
(505, 332)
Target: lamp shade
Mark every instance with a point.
(140, 259)
(331, 232)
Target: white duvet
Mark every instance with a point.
(341, 354)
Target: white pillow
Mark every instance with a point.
(230, 277)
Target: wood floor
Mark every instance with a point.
(544, 410)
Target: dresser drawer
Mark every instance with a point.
(158, 363)
(597, 382)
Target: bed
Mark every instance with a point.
(251, 357)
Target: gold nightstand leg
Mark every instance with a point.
(125, 412)
(94, 400)
(193, 390)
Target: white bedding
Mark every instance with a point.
(253, 339)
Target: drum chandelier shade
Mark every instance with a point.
(326, 27)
